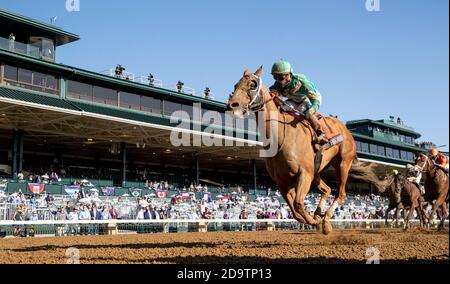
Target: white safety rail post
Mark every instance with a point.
(144, 80)
(125, 75)
(186, 90)
(211, 96)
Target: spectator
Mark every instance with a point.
(33, 217)
(180, 86)
(60, 216)
(95, 215)
(83, 216)
(113, 213)
(140, 214)
(12, 40)
(72, 216)
(151, 80)
(19, 230)
(207, 214)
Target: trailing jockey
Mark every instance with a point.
(440, 160)
(302, 94)
(415, 177)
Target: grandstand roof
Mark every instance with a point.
(112, 82)
(73, 122)
(12, 22)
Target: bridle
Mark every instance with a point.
(257, 104)
(422, 167)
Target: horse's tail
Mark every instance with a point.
(364, 172)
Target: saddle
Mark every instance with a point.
(327, 126)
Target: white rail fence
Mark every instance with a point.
(115, 226)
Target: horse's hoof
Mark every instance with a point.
(319, 228)
(326, 227)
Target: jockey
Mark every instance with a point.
(440, 160)
(415, 177)
(302, 94)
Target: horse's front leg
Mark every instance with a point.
(303, 185)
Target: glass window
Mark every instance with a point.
(373, 148)
(403, 155)
(39, 79)
(10, 73)
(52, 82)
(389, 152)
(358, 145)
(396, 153)
(25, 76)
(381, 151)
(188, 109)
(171, 107)
(409, 156)
(364, 147)
(150, 104)
(79, 90)
(130, 101)
(105, 96)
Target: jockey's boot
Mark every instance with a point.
(321, 139)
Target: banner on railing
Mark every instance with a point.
(161, 193)
(3, 186)
(135, 192)
(71, 189)
(107, 191)
(35, 188)
(184, 195)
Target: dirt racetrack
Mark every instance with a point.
(262, 247)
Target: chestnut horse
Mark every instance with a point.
(292, 167)
(436, 187)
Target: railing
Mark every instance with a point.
(113, 227)
(22, 48)
(155, 83)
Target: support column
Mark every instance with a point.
(15, 153)
(124, 163)
(197, 170)
(20, 162)
(254, 174)
(62, 88)
(2, 73)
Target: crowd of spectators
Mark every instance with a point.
(183, 206)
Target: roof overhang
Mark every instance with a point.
(14, 23)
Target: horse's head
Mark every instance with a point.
(399, 181)
(422, 163)
(395, 184)
(247, 93)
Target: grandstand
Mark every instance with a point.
(115, 132)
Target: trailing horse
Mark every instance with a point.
(436, 187)
(294, 167)
(404, 194)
